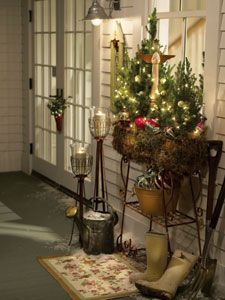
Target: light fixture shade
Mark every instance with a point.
(96, 11)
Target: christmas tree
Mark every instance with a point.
(159, 119)
(180, 96)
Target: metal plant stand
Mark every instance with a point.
(81, 164)
(81, 179)
(99, 125)
(99, 177)
(167, 220)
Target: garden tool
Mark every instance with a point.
(201, 276)
(213, 162)
(157, 255)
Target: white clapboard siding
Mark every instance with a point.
(11, 139)
(221, 92)
(218, 250)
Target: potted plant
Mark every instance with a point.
(57, 106)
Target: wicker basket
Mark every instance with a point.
(151, 201)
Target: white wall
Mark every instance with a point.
(11, 139)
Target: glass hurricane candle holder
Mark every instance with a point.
(81, 160)
(99, 122)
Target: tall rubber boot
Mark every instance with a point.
(157, 255)
(179, 266)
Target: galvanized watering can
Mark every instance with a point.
(97, 229)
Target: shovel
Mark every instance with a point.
(213, 162)
(201, 274)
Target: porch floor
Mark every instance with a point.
(32, 224)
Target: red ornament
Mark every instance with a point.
(140, 122)
(200, 127)
(152, 123)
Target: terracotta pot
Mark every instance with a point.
(59, 122)
(151, 201)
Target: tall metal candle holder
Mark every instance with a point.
(99, 124)
(81, 163)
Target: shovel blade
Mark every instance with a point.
(211, 267)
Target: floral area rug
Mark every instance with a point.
(87, 277)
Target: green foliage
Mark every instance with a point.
(57, 105)
(180, 98)
(133, 87)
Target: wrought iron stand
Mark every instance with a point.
(81, 203)
(168, 220)
(99, 176)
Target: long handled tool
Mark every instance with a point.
(202, 272)
(214, 155)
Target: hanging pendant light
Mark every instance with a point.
(96, 13)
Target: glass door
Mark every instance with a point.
(77, 74)
(62, 64)
(45, 84)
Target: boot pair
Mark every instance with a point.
(162, 280)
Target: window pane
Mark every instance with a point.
(38, 16)
(87, 138)
(170, 36)
(79, 87)
(69, 121)
(193, 5)
(196, 43)
(47, 146)
(38, 112)
(38, 48)
(69, 53)
(38, 142)
(79, 15)
(69, 78)
(79, 50)
(53, 49)
(46, 21)
(47, 116)
(46, 81)
(38, 80)
(88, 51)
(52, 85)
(79, 124)
(69, 15)
(46, 49)
(167, 5)
(53, 15)
(88, 89)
